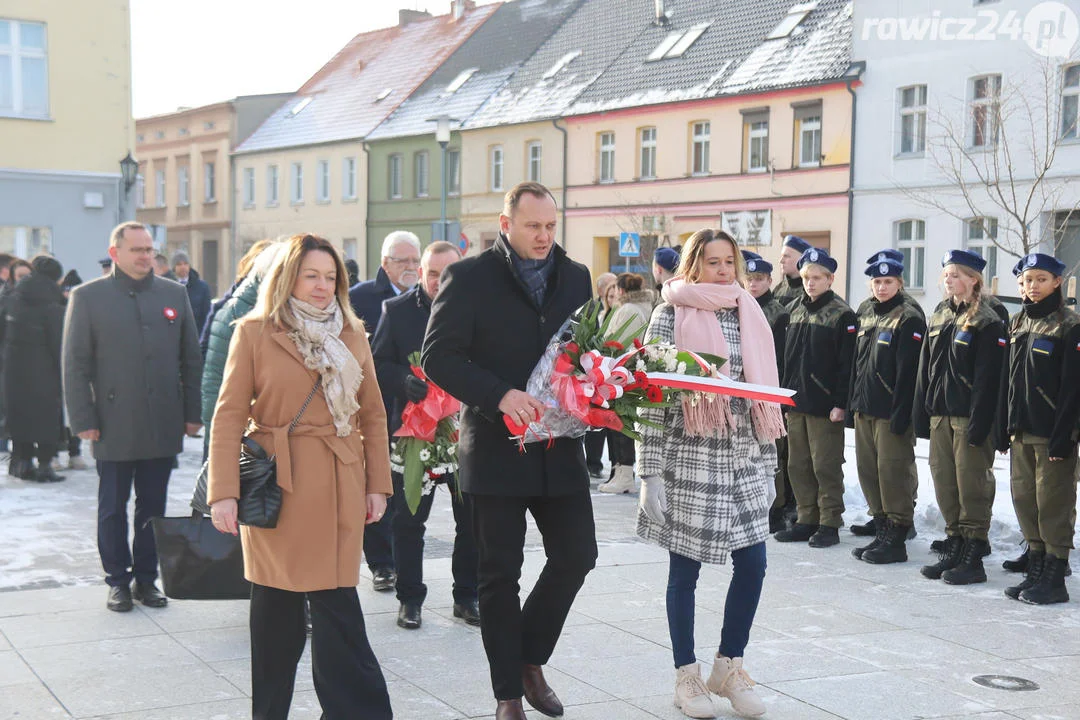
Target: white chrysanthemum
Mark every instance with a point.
(670, 364)
(425, 454)
(681, 369)
(451, 451)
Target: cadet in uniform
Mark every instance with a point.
(818, 353)
(1043, 409)
(789, 290)
(959, 380)
(882, 393)
(758, 278)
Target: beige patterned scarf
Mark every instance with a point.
(317, 339)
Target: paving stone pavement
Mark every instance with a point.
(834, 638)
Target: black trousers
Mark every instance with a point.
(348, 680)
(379, 541)
(516, 634)
(594, 449)
(44, 452)
(621, 449)
(408, 534)
(115, 479)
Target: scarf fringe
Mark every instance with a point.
(707, 415)
(768, 421)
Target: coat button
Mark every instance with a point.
(542, 320)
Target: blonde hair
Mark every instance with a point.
(976, 292)
(277, 286)
(244, 266)
(819, 266)
(693, 253)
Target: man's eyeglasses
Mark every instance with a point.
(411, 261)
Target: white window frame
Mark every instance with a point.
(700, 147)
(980, 234)
(534, 156)
(140, 192)
(757, 141)
(647, 154)
(808, 124)
(988, 125)
(911, 112)
(159, 188)
(322, 182)
(16, 54)
(348, 178)
(183, 186)
(453, 165)
(605, 169)
(249, 187)
(422, 173)
(209, 182)
(1070, 104)
(273, 178)
(913, 245)
(395, 165)
(296, 183)
(496, 158)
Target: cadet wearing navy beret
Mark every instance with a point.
(789, 289)
(818, 256)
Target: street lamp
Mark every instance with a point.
(129, 171)
(442, 136)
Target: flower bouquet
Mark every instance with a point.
(426, 449)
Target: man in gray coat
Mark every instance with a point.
(132, 368)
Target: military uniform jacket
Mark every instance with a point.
(1044, 373)
(132, 365)
(911, 302)
(960, 369)
(887, 350)
(778, 317)
(818, 354)
(789, 291)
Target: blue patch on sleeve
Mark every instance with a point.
(1042, 346)
(884, 338)
(963, 337)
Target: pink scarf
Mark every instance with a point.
(697, 328)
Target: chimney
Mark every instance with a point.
(458, 8)
(661, 13)
(410, 16)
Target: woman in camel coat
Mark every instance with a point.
(334, 469)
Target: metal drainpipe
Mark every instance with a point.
(367, 204)
(859, 67)
(565, 143)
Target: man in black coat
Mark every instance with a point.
(400, 334)
(490, 324)
(198, 291)
(398, 273)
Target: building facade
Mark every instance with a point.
(65, 126)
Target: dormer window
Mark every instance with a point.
(795, 16)
(561, 64)
(461, 79)
(677, 43)
(384, 94)
(299, 107)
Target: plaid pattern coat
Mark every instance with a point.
(717, 488)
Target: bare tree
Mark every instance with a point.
(649, 220)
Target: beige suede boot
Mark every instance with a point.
(621, 482)
(728, 679)
(691, 695)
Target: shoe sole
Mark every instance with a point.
(1052, 601)
(408, 626)
(475, 622)
(687, 714)
(950, 581)
(889, 561)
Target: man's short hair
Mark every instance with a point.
(118, 231)
(513, 196)
(438, 247)
(160, 258)
(399, 236)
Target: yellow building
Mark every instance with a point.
(65, 126)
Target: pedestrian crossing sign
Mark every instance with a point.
(629, 244)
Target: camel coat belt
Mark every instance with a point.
(283, 455)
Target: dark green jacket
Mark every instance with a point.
(217, 347)
(789, 291)
(778, 317)
(818, 354)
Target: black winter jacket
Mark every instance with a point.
(399, 334)
(778, 317)
(199, 296)
(32, 360)
(818, 353)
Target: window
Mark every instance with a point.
(296, 183)
(457, 82)
(453, 165)
(536, 157)
(159, 189)
(349, 245)
(756, 141)
(980, 239)
(322, 181)
(677, 43)
(299, 107)
(808, 135)
(159, 135)
(140, 192)
(24, 70)
(24, 241)
(422, 169)
(394, 172)
(183, 190)
(795, 15)
(272, 186)
(208, 125)
(913, 119)
(383, 94)
(647, 168)
(249, 187)
(1070, 103)
(985, 110)
(699, 158)
(182, 132)
(497, 168)
(911, 241)
(348, 179)
(560, 64)
(140, 138)
(209, 191)
(607, 157)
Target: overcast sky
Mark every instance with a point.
(197, 52)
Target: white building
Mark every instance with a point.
(966, 131)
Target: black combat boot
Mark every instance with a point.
(1050, 587)
(949, 557)
(825, 537)
(796, 533)
(868, 529)
(970, 569)
(776, 520)
(881, 525)
(1034, 562)
(892, 549)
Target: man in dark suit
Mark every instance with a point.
(400, 334)
(491, 322)
(198, 290)
(397, 274)
(132, 369)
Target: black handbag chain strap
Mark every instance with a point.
(310, 395)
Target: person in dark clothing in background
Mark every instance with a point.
(354, 271)
(789, 291)
(242, 269)
(74, 442)
(162, 269)
(6, 286)
(199, 294)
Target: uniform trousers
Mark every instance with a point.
(815, 466)
(115, 480)
(886, 465)
(784, 494)
(348, 680)
(962, 482)
(1044, 495)
(515, 634)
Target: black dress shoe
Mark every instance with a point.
(119, 599)
(538, 693)
(149, 595)
(468, 611)
(383, 579)
(47, 475)
(510, 710)
(408, 616)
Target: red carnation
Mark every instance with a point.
(572, 347)
(654, 394)
(614, 344)
(638, 344)
(641, 378)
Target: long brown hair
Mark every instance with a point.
(277, 286)
(693, 252)
(244, 266)
(976, 294)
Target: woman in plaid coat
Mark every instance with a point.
(707, 477)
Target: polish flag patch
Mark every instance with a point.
(1001, 342)
(851, 328)
(1077, 347)
(918, 337)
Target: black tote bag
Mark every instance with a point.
(197, 561)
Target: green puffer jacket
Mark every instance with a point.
(217, 349)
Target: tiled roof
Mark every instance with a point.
(494, 51)
(348, 97)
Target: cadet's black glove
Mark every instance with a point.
(415, 389)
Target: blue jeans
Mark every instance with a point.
(743, 594)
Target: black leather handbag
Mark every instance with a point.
(197, 561)
(260, 495)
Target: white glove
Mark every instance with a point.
(652, 500)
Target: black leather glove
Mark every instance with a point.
(415, 389)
